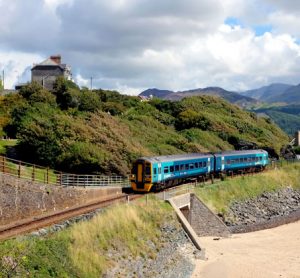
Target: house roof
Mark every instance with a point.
(50, 62)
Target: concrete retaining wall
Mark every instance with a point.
(204, 221)
(21, 199)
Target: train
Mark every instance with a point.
(159, 172)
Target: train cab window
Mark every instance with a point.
(171, 169)
(176, 168)
(186, 166)
(166, 170)
(148, 170)
(204, 164)
(154, 171)
(196, 165)
(159, 170)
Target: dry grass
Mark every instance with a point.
(123, 228)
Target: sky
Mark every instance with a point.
(132, 45)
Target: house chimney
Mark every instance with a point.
(56, 59)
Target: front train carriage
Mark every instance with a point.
(165, 171)
(240, 160)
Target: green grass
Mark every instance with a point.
(219, 196)
(4, 143)
(81, 250)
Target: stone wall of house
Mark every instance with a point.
(46, 75)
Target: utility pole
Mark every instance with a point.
(3, 79)
(91, 83)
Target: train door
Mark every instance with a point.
(223, 163)
(140, 175)
(159, 177)
(209, 165)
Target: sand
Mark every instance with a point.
(268, 253)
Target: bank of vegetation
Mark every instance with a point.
(90, 249)
(219, 196)
(99, 131)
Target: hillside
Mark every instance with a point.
(267, 93)
(287, 117)
(103, 132)
(232, 97)
(276, 93)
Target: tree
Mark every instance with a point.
(1, 85)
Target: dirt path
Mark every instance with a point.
(268, 253)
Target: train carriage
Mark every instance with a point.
(240, 160)
(165, 171)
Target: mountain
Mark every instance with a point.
(232, 97)
(290, 96)
(156, 93)
(267, 93)
(286, 117)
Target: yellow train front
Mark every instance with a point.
(141, 176)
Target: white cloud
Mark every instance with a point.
(134, 44)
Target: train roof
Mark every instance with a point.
(177, 157)
(241, 152)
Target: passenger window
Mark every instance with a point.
(241, 160)
(196, 165)
(154, 171)
(191, 166)
(204, 164)
(260, 158)
(186, 166)
(176, 168)
(228, 161)
(200, 164)
(181, 167)
(166, 170)
(171, 169)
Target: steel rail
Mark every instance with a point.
(35, 223)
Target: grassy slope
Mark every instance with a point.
(82, 250)
(219, 196)
(99, 142)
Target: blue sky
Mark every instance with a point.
(131, 45)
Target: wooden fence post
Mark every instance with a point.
(33, 173)
(19, 170)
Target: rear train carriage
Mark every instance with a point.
(240, 160)
(164, 171)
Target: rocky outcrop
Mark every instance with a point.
(280, 207)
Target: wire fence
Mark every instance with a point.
(35, 173)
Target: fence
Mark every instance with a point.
(45, 175)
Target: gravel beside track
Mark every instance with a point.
(36, 223)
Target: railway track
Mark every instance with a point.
(35, 223)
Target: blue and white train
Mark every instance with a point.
(160, 172)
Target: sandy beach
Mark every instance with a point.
(268, 253)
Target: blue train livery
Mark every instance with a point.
(164, 171)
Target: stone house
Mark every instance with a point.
(47, 71)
